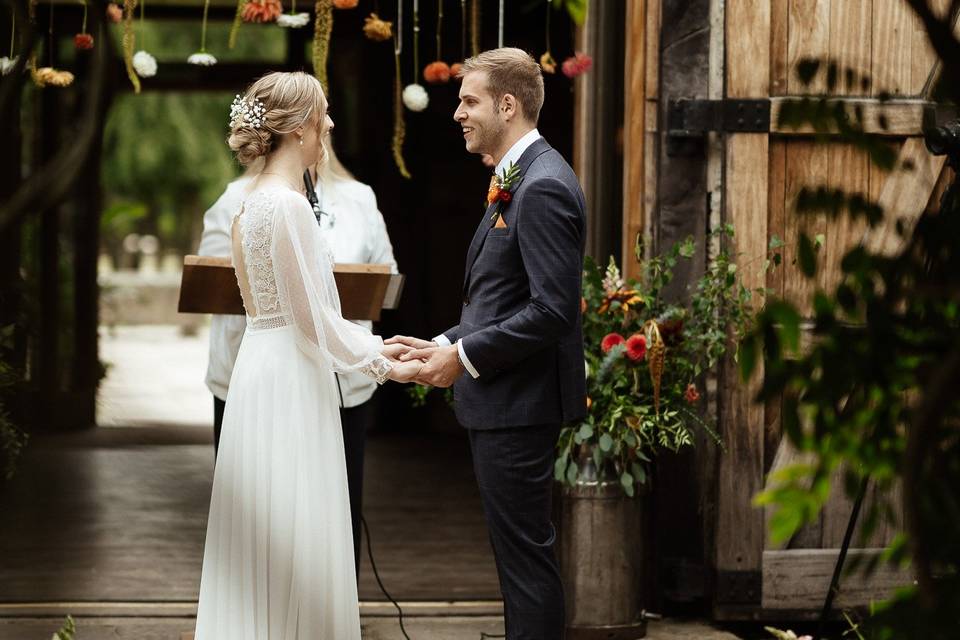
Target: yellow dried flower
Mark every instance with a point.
(656, 357)
(48, 76)
(376, 29)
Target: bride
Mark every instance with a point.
(278, 563)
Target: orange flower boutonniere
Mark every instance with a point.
(502, 188)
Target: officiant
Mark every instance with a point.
(353, 226)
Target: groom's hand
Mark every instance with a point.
(441, 365)
(413, 343)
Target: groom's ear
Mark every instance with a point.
(509, 106)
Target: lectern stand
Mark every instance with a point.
(209, 285)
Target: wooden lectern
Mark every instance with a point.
(209, 285)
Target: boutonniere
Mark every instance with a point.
(502, 188)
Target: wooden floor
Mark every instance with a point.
(118, 515)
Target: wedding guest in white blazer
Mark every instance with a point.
(356, 232)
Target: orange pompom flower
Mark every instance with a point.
(610, 341)
(455, 70)
(114, 12)
(83, 41)
(636, 347)
(345, 4)
(262, 10)
(437, 72)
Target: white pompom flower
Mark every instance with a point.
(415, 97)
(293, 20)
(203, 59)
(7, 64)
(144, 64)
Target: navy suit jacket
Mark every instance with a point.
(521, 323)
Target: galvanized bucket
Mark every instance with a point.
(601, 560)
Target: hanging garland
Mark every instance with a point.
(49, 76)
(83, 41)
(414, 95)
(438, 72)
(235, 27)
(202, 58)
(322, 29)
(8, 63)
(143, 63)
(399, 127)
(547, 63)
(128, 42)
(293, 20)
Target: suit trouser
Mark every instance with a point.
(355, 422)
(514, 470)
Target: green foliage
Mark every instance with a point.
(67, 631)
(12, 439)
(874, 393)
(576, 8)
(623, 429)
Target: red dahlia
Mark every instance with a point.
(610, 341)
(505, 196)
(83, 41)
(636, 347)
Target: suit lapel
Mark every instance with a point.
(531, 153)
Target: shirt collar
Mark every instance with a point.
(514, 153)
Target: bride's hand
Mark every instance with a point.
(393, 351)
(405, 371)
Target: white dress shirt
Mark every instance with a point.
(358, 235)
(511, 156)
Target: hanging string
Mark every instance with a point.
(143, 8)
(416, 41)
(500, 26)
(463, 29)
(50, 37)
(548, 25)
(83, 27)
(203, 32)
(475, 27)
(13, 28)
(398, 32)
(439, 25)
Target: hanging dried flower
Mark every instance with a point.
(415, 97)
(8, 64)
(656, 356)
(346, 4)
(455, 70)
(399, 127)
(50, 77)
(437, 73)
(262, 11)
(129, 40)
(376, 29)
(547, 63)
(83, 41)
(322, 28)
(576, 65)
(144, 64)
(293, 20)
(114, 13)
(202, 58)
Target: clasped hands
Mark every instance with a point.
(422, 361)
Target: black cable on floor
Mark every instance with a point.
(376, 574)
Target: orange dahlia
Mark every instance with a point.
(262, 10)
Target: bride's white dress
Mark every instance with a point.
(278, 562)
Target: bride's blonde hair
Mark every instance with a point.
(288, 99)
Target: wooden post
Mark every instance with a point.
(740, 527)
(635, 188)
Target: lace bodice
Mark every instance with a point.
(285, 272)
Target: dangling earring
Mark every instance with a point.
(301, 141)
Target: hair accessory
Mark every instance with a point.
(247, 113)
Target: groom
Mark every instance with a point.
(516, 357)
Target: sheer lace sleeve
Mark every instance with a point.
(303, 268)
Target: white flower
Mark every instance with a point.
(203, 59)
(293, 20)
(7, 64)
(144, 64)
(415, 97)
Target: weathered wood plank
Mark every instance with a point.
(748, 49)
(807, 166)
(634, 134)
(779, 43)
(851, 35)
(799, 579)
(904, 195)
(848, 169)
(808, 37)
(892, 48)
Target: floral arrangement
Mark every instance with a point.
(645, 362)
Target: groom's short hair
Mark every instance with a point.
(513, 71)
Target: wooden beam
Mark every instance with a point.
(799, 579)
(885, 118)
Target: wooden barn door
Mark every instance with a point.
(763, 172)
